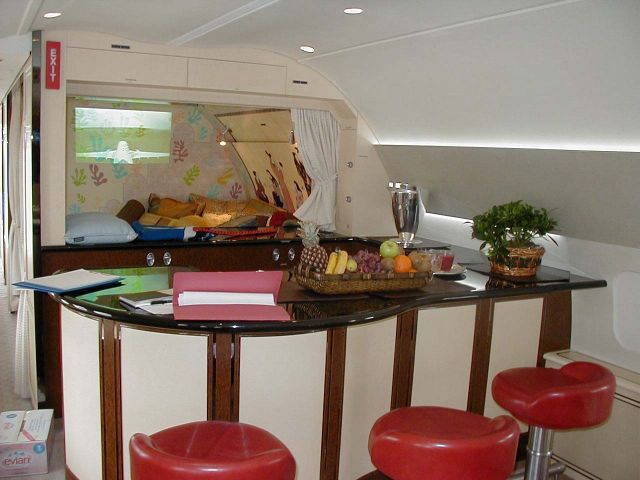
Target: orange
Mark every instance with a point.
(401, 264)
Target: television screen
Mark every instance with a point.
(122, 136)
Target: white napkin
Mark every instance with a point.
(225, 298)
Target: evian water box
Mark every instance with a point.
(26, 440)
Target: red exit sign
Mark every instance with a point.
(52, 65)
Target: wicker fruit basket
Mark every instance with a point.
(359, 282)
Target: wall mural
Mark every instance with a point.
(275, 173)
(105, 170)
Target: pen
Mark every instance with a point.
(159, 302)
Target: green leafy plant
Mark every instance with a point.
(513, 224)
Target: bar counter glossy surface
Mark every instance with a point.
(310, 311)
(317, 381)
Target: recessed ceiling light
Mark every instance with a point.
(52, 14)
(307, 48)
(353, 11)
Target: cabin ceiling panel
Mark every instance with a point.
(593, 195)
(287, 24)
(141, 20)
(11, 17)
(560, 77)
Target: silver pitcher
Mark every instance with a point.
(405, 203)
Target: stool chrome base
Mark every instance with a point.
(538, 466)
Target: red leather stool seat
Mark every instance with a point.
(436, 443)
(212, 451)
(578, 395)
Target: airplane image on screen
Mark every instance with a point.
(122, 154)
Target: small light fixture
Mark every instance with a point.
(292, 138)
(52, 14)
(307, 48)
(220, 136)
(353, 11)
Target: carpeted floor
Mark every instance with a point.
(10, 401)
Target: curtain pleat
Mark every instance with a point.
(317, 133)
(19, 265)
(15, 247)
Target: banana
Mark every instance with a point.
(341, 266)
(331, 265)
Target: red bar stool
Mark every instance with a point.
(579, 395)
(212, 451)
(437, 443)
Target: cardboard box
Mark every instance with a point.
(26, 442)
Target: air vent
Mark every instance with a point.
(120, 47)
(300, 82)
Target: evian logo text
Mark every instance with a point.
(16, 459)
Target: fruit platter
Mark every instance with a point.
(340, 272)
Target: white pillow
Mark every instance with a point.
(97, 227)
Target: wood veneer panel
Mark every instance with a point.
(222, 409)
(333, 397)
(555, 330)
(68, 474)
(480, 357)
(111, 408)
(48, 326)
(375, 476)
(235, 380)
(211, 376)
(404, 359)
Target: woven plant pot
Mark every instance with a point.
(521, 262)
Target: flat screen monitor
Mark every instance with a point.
(117, 135)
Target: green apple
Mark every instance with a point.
(389, 249)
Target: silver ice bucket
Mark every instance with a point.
(405, 203)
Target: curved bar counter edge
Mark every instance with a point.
(317, 382)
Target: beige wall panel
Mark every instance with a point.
(125, 67)
(282, 391)
(514, 342)
(367, 391)
(81, 390)
(164, 382)
(246, 77)
(609, 451)
(444, 344)
(52, 153)
(601, 211)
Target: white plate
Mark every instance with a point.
(455, 270)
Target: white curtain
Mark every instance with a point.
(317, 133)
(20, 249)
(15, 248)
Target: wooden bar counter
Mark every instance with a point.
(318, 382)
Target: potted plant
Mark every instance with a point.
(508, 230)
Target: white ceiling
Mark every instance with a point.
(501, 72)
